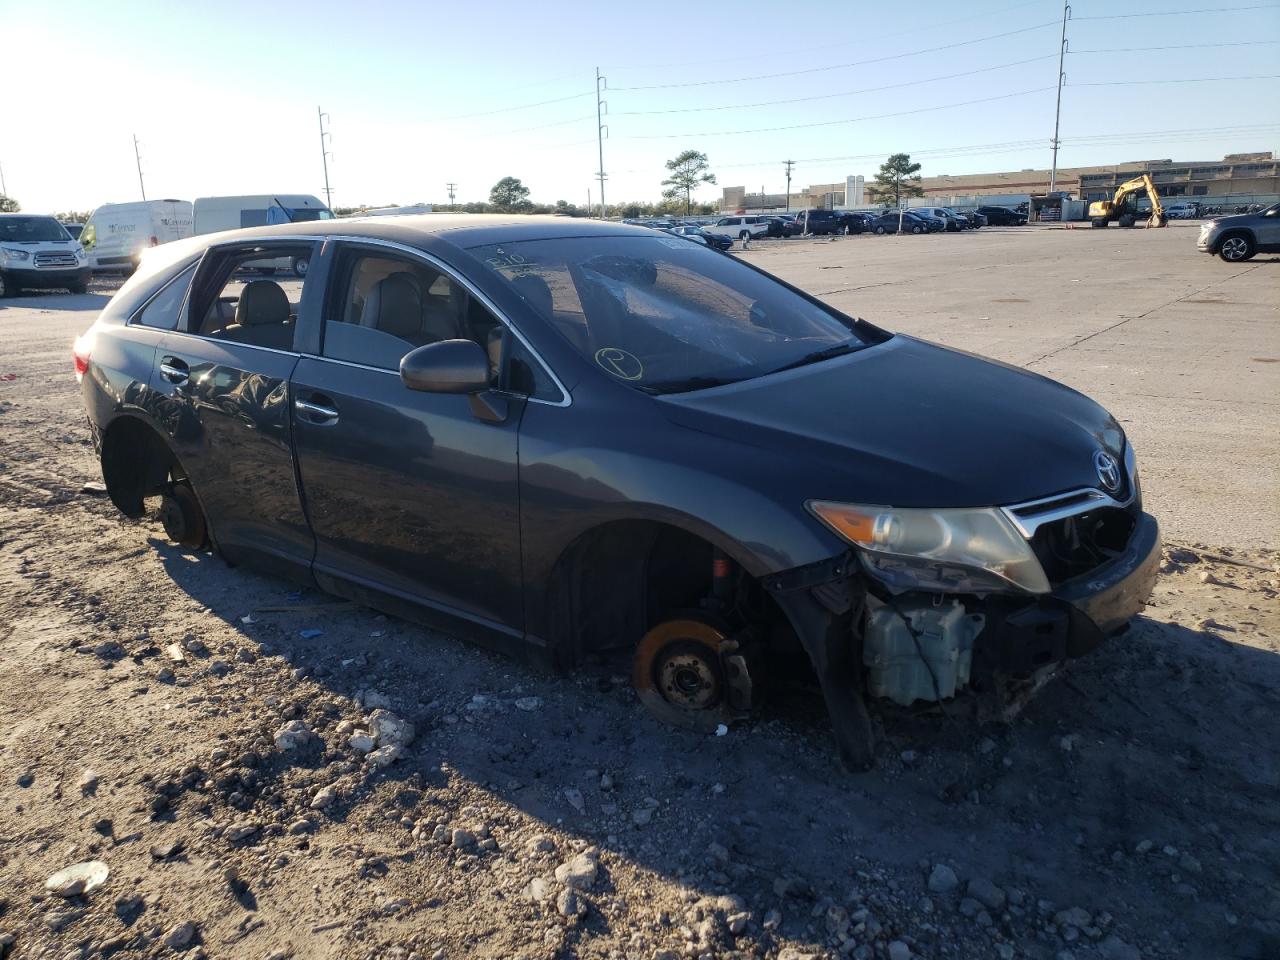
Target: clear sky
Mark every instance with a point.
(223, 96)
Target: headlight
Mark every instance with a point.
(966, 550)
(14, 255)
(81, 255)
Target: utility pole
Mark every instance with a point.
(790, 164)
(453, 187)
(138, 158)
(602, 84)
(1057, 110)
(4, 191)
(588, 201)
(325, 154)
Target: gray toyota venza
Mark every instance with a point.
(572, 438)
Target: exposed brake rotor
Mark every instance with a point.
(688, 673)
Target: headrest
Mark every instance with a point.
(262, 302)
(535, 290)
(394, 306)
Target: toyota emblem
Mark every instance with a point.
(1108, 470)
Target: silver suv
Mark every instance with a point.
(1236, 239)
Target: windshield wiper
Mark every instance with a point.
(818, 356)
(688, 383)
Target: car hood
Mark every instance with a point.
(1235, 219)
(907, 423)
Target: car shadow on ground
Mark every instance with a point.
(56, 300)
(1160, 736)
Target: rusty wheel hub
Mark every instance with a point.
(690, 674)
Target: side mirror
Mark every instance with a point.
(448, 366)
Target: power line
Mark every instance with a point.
(1181, 46)
(540, 126)
(829, 96)
(842, 66)
(519, 106)
(1178, 13)
(862, 41)
(829, 123)
(1132, 83)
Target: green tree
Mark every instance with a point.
(898, 177)
(509, 195)
(9, 205)
(688, 172)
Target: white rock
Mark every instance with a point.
(575, 798)
(569, 905)
(540, 844)
(293, 735)
(179, 935)
(361, 742)
(390, 730)
(529, 704)
(579, 873)
(88, 782)
(385, 756)
(537, 890)
(324, 796)
(943, 879)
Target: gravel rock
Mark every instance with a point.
(537, 890)
(529, 704)
(1113, 948)
(539, 844)
(942, 879)
(899, 951)
(385, 756)
(461, 839)
(324, 797)
(389, 730)
(579, 873)
(361, 741)
(88, 782)
(575, 799)
(294, 735)
(986, 893)
(1073, 917)
(569, 905)
(180, 935)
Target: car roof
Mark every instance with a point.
(460, 229)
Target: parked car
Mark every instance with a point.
(1187, 210)
(819, 222)
(976, 219)
(1003, 217)
(1237, 238)
(716, 241)
(37, 253)
(911, 221)
(951, 220)
(859, 222)
(740, 227)
(428, 423)
(117, 234)
(74, 229)
(213, 214)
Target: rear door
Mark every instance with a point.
(226, 371)
(412, 495)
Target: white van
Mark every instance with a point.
(117, 234)
(214, 214)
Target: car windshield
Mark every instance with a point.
(665, 315)
(31, 230)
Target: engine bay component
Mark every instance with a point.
(688, 673)
(900, 671)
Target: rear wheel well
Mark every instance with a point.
(620, 579)
(136, 464)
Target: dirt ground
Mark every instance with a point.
(198, 729)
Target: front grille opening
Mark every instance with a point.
(1075, 546)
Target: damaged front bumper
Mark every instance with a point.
(938, 640)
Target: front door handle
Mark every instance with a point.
(317, 413)
(174, 370)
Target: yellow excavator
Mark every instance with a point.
(1123, 207)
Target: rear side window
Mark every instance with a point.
(248, 294)
(165, 307)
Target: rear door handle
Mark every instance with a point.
(174, 370)
(318, 413)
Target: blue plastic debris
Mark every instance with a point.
(310, 634)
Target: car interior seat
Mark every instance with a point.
(263, 316)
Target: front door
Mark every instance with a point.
(409, 494)
(225, 371)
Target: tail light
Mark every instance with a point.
(80, 356)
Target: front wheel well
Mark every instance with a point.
(136, 464)
(1234, 232)
(618, 580)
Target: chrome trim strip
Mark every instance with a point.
(1025, 517)
(566, 398)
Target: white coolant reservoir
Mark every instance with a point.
(895, 669)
